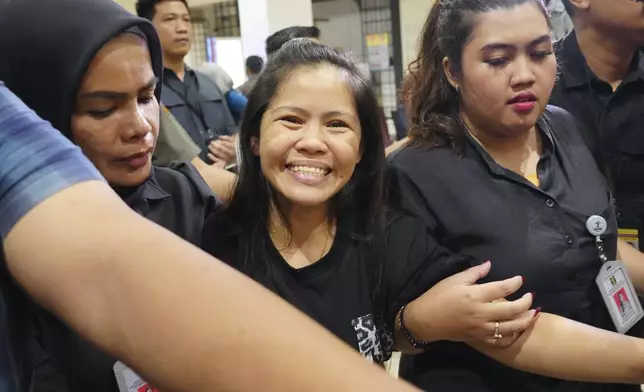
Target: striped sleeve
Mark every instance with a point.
(36, 161)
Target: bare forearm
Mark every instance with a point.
(565, 349)
(183, 320)
(220, 181)
(633, 259)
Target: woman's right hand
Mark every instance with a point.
(458, 309)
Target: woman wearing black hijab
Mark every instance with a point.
(93, 70)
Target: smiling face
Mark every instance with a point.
(310, 135)
(508, 70)
(116, 122)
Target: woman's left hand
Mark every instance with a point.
(458, 309)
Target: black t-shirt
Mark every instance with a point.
(177, 199)
(475, 207)
(336, 291)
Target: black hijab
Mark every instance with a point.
(46, 47)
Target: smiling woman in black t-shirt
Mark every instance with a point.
(307, 217)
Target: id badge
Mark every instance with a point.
(630, 236)
(129, 381)
(619, 295)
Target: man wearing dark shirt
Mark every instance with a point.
(192, 98)
(602, 85)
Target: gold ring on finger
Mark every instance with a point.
(497, 333)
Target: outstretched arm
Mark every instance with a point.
(184, 320)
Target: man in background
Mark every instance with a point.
(602, 86)
(192, 98)
(254, 66)
(278, 39)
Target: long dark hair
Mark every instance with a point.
(358, 206)
(431, 102)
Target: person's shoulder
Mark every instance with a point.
(220, 238)
(418, 162)
(560, 121)
(180, 178)
(411, 152)
(208, 85)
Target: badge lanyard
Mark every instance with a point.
(614, 283)
(596, 226)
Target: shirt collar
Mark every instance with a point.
(548, 147)
(168, 71)
(140, 198)
(575, 71)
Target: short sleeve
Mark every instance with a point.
(415, 262)
(37, 161)
(404, 194)
(174, 143)
(203, 191)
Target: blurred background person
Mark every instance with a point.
(254, 66)
(602, 85)
(275, 41)
(236, 100)
(192, 98)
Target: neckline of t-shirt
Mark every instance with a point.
(315, 270)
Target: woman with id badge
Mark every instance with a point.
(496, 173)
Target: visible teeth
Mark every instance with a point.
(308, 170)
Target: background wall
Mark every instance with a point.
(286, 13)
(339, 24)
(412, 18)
(127, 4)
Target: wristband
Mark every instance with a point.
(415, 343)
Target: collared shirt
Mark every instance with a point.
(37, 162)
(475, 207)
(199, 106)
(177, 199)
(611, 123)
(188, 90)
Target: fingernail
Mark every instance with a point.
(522, 279)
(533, 294)
(537, 311)
(486, 261)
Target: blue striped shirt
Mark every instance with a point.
(36, 161)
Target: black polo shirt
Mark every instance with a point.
(477, 208)
(177, 199)
(188, 90)
(199, 106)
(611, 123)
